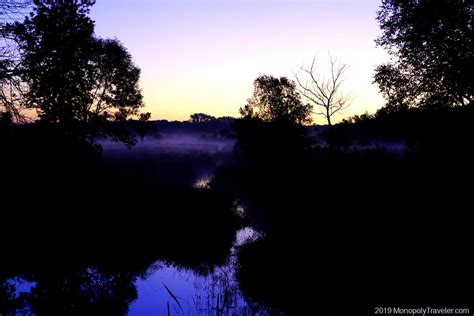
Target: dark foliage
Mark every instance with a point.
(218, 128)
(344, 229)
(68, 75)
(84, 229)
(435, 134)
(355, 231)
(276, 100)
(357, 227)
(142, 126)
(10, 10)
(432, 42)
(201, 117)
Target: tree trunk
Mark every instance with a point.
(328, 117)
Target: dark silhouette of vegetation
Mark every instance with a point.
(272, 144)
(219, 128)
(325, 93)
(276, 100)
(83, 250)
(344, 224)
(70, 76)
(143, 125)
(200, 118)
(432, 46)
(345, 219)
(270, 133)
(10, 86)
(5, 119)
(269, 143)
(87, 291)
(344, 229)
(10, 90)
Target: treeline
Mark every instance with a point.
(346, 231)
(58, 72)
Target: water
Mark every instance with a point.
(195, 294)
(176, 285)
(164, 289)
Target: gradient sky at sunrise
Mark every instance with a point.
(203, 55)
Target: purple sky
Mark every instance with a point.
(203, 55)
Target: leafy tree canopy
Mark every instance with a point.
(431, 42)
(277, 100)
(201, 117)
(71, 76)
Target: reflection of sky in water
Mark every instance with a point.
(197, 294)
(215, 293)
(21, 286)
(203, 183)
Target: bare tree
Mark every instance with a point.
(324, 92)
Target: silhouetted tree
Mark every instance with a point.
(276, 100)
(115, 82)
(72, 76)
(399, 88)
(10, 10)
(325, 92)
(271, 135)
(143, 124)
(432, 46)
(10, 87)
(5, 119)
(226, 119)
(200, 118)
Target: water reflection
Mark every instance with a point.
(203, 182)
(95, 266)
(84, 292)
(141, 288)
(216, 293)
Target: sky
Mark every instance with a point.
(203, 55)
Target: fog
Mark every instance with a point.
(171, 159)
(172, 143)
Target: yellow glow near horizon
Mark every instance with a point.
(203, 56)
